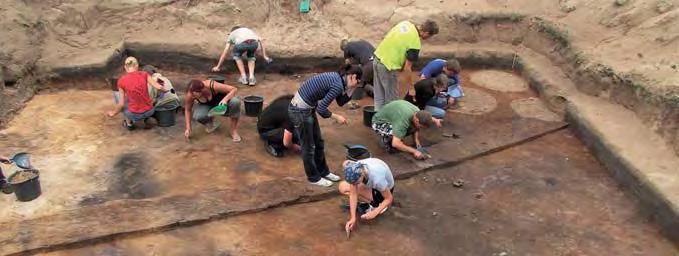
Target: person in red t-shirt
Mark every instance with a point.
(134, 100)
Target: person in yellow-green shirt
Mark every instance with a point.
(397, 51)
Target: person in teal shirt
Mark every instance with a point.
(397, 51)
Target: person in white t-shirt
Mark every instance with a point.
(369, 185)
(244, 42)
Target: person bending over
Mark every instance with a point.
(315, 96)
(203, 95)
(274, 127)
(245, 42)
(399, 119)
(370, 187)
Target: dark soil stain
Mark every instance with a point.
(132, 177)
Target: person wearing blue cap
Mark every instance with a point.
(369, 181)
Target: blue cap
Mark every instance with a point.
(352, 172)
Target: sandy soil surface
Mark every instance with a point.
(546, 197)
(499, 81)
(86, 158)
(534, 108)
(475, 102)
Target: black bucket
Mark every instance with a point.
(217, 78)
(368, 113)
(165, 118)
(28, 187)
(357, 152)
(253, 105)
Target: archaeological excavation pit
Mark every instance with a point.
(566, 142)
(516, 158)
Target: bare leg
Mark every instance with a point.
(365, 194)
(234, 130)
(251, 68)
(241, 68)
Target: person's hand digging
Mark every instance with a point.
(437, 122)
(215, 69)
(340, 119)
(419, 155)
(111, 113)
(350, 225)
(187, 133)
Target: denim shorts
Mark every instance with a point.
(248, 48)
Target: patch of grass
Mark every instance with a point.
(557, 34)
(474, 19)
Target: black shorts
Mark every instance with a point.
(378, 198)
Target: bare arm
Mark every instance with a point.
(188, 111)
(398, 144)
(388, 199)
(156, 85)
(353, 204)
(225, 88)
(121, 103)
(261, 45)
(408, 66)
(417, 139)
(408, 69)
(5, 160)
(287, 141)
(221, 57)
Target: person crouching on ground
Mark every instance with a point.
(162, 101)
(133, 97)
(244, 41)
(369, 182)
(205, 95)
(450, 68)
(315, 95)
(398, 119)
(274, 127)
(426, 93)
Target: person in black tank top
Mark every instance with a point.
(205, 95)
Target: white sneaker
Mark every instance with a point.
(332, 177)
(323, 183)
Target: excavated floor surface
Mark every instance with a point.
(546, 197)
(549, 196)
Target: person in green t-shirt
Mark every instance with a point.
(398, 119)
(397, 51)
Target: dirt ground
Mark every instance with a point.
(87, 158)
(546, 197)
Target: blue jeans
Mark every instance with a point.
(309, 133)
(437, 106)
(133, 117)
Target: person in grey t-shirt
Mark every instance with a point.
(369, 181)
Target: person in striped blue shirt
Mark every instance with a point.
(315, 96)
